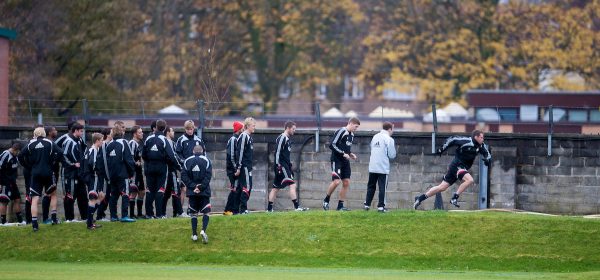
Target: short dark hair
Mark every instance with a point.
(198, 150)
(135, 128)
(476, 132)
(161, 125)
(70, 124)
(289, 124)
(16, 146)
(153, 125)
(388, 125)
(105, 132)
(76, 126)
(48, 129)
(354, 120)
(167, 129)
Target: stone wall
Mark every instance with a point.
(522, 175)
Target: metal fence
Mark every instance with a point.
(407, 116)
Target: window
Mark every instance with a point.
(353, 88)
(577, 115)
(321, 91)
(508, 114)
(558, 115)
(595, 116)
(529, 113)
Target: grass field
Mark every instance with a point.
(317, 244)
(133, 271)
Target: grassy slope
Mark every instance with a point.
(403, 240)
(132, 271)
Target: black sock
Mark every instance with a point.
(90, 216)
(132, 208)
(455, 196)
(3, 219)
(194, 225)
(204, 222)
(327, 198)
(296, 204)
(53, 215)
(140, 203)
(270, 206)
(340, 205)
(422, 197)
(19, 217)
(34, 222)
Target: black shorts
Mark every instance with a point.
(119, 187)
(283, 177)
(199, 204)
(245, 178)
(97, 184)
(456, 171)
(10, 190)
(340, 169)
(39, 184)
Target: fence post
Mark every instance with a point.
(318, 131)
(550, 130)
(439, 203)
(143, 111)
(434, 120)
(200, 104)
(86, 117)
(483, 183)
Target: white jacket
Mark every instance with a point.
(382, 150)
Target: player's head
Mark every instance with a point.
(51, 131)
(161, 125)
(189, 127)
(237, 127)
(249, 125)
(106, 133)
(153, 126)
(198, 150)
(97, 138)
(136, 132)
(353, 124)
(118, 130)
(389, 127)
(77, 129)
(290, 127)
(477, 136)
(15, 148)
(39, 132)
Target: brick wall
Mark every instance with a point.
(522, 175)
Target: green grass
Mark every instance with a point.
(399, 240)
(133, 271)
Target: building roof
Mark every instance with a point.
(172, 109)
(516, 98)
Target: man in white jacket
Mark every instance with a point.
(383, 149)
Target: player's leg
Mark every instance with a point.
(335, 181)
(371, 186)
(272, 196)
(345, 174)
(467, 180)
(205, 210)
(382, 181)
